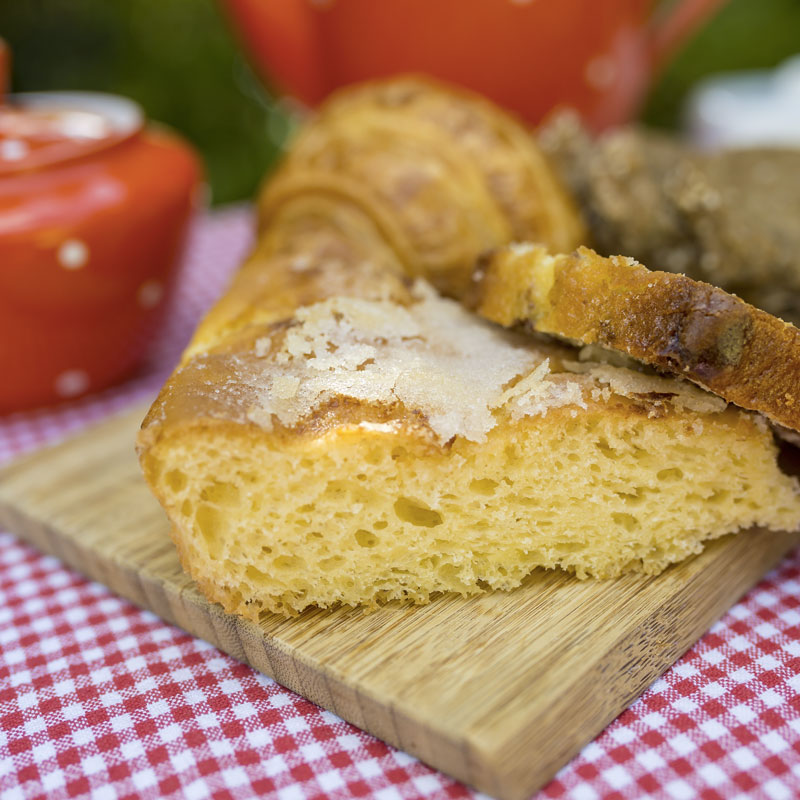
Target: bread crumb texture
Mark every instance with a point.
(454, 458)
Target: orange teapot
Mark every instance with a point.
(530, 56)
(94, 207)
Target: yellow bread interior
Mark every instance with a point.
(482, 456)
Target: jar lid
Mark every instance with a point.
(38, 129)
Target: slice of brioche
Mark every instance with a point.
(668, 321)
(355, 439)
(337, 433)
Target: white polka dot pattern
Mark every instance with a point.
(71, 383)
(13, 149)
(73, 254)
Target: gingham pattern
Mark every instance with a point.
(100, 699)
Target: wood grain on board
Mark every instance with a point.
(500, 690)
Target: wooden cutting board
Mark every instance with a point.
(499, 691)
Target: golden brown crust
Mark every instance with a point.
(671, 322)
(393, 179)
(727, 217)
(517, 173)
(442, 174)
(291, 266)
(316, 249)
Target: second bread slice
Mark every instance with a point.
(678, 325)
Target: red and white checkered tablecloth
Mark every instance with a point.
(101, 699)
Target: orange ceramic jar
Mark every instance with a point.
(94, 208)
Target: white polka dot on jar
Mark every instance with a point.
(73, 254)
(150, 294)
(71, 383)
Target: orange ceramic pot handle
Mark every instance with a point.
(671, 27)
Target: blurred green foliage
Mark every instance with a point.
(180, 60)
